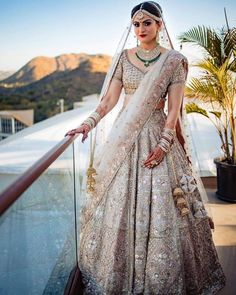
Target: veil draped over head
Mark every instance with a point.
(100, 135)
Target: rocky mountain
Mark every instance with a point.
(42, 66)
(46, 80)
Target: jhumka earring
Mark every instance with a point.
(157, 37)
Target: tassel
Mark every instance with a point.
(90, 179)
(178, 192)
(178, 195)
(91, 171)
(181, 203)
(184, 211)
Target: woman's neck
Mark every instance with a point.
(148, 46)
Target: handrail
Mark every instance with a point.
(15, 189)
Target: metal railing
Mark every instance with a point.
(15, 189)
(38, 226)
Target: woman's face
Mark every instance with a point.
(145, 29)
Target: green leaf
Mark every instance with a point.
(206, 38)
(194, 108)
(217, 114)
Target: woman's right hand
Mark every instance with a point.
(84, 129)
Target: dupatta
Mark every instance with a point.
(128, 126)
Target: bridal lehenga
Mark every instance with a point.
(133, 237)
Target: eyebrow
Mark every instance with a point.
(136, 21)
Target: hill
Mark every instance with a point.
(73, 77)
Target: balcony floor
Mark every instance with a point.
(224, 215)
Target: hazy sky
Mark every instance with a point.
(30, 28)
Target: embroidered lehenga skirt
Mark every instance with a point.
(137, 242)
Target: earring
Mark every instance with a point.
(157, 37)
(137, 41)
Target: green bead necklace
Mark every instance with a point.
(148, 62)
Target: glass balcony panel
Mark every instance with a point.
(38, 233)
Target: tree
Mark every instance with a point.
(217, 84)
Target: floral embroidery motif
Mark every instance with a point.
(188, 183)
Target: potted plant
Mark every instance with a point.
(215, 89)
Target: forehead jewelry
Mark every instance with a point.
(140, 13)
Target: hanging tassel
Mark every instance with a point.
(184, 211)
(91, 171)
(178, 192)
(90, 179)
(181, 202)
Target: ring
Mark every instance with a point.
(154, 162)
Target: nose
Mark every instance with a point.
(142, 28)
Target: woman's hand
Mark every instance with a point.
(157, 155)
(84, 129)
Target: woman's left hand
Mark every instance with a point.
(157, 155)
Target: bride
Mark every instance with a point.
(145, 227)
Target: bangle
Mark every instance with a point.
(168, 131)
(166, 139)
(92, 120)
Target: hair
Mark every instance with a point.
(150, 6)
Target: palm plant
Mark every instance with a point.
(217, 84)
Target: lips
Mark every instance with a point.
(142, 35)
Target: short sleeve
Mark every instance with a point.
(180, 73)
(119, 69)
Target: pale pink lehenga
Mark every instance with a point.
(136, 241)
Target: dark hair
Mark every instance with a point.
(150, 6)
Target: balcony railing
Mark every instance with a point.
(39, 225)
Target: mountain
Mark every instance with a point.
(75, 76)
(5, 74)
(42, 66)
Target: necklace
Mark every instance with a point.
(148, 56)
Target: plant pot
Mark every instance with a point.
(226, 180)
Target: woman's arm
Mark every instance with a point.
(175, 98)
(110, 99)
(105, 106)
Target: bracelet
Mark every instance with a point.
(92, 120)
(167, 139)
(164, 147)
(168, 131)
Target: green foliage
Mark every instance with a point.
(217, 84)
(194, 108)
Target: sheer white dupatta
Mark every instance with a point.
(108, 151)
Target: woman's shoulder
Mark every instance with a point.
(177, 56)
(128, 52)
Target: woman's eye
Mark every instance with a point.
(147, 24)
(136, 24)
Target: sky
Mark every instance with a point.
(30, 28)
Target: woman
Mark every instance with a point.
(145, 229)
